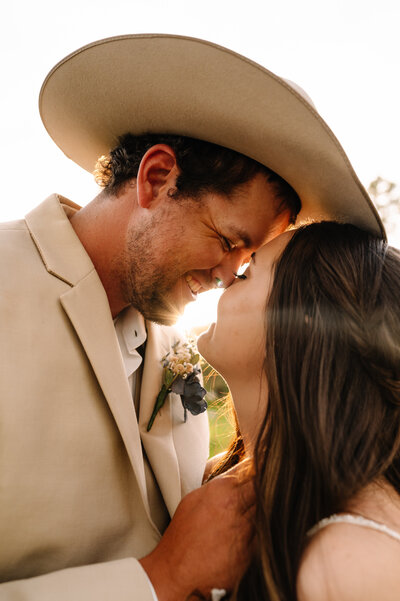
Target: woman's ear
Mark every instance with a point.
(157, 172)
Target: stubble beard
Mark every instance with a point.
(146, 281)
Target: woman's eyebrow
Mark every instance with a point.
(253, 257)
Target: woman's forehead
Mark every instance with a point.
(274, 248)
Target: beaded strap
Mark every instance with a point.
(357, 520)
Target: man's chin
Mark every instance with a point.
(163, 315)
(162, 320)
(163, 308)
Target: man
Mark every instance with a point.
(177, 215)
(85, 488)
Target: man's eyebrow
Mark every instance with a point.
(241, 234)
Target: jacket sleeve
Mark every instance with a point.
(120, 580)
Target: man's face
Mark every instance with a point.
(185, 245)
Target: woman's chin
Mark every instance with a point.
(203, 341)
(209, 349)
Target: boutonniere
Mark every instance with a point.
(181, 375)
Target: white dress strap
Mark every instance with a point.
(357, 520)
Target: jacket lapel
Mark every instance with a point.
(97, 334)
(159, 443)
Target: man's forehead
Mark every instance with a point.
(255, 230)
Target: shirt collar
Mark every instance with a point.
(131, 333)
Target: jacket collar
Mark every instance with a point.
(60, 248)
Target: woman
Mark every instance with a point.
(314, 373)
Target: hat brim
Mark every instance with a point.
(154, 83)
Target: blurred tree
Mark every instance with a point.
(386, 197)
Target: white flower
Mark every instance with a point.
(178, 368)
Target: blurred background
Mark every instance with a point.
(344, 53)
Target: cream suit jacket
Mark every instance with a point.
(74, 509)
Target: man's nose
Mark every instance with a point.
(224, 273)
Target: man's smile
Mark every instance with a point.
(193, 284)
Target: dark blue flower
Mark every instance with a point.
(191, 392)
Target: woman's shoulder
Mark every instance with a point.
(348, 562)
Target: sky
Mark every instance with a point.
(344, 53)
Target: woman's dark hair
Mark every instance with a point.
(332, 423)
(204, 168)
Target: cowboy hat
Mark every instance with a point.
(152, 83)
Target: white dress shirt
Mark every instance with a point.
(131, 334)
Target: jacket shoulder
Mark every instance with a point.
(18, 224)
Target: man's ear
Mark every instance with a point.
(157, 172)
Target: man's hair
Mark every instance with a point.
(203, 168)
